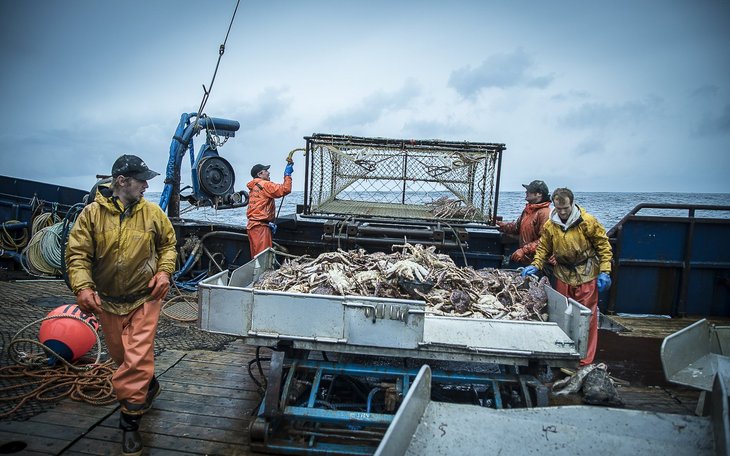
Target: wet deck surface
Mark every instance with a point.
(208, 397)
(204, 408)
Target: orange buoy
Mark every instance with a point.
(69, 337)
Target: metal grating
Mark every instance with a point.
(424, 180)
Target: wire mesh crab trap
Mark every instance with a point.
(405, 179)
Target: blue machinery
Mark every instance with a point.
(345, 408)
(213, 177)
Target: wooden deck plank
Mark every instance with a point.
(219, 429)
(224, 379)
(658, 327)
(53, 430)
(35, 443)
(233, 409)
(231, 391)
(107, 440)
(167, 418)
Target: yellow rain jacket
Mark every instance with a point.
(117, 252)
(580, 246)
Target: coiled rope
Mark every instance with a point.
(93, 386)
(44, 255)
(35, 380)
(10, 241)
(40, 256)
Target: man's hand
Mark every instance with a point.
(500, 225)
(518, 256)
(273, 227)
(289, 169)
(88, 301)
(160, 285)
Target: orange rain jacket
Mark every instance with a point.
(261, 194)
(529, 226)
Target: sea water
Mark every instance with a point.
(608, 207)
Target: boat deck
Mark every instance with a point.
(204, 408)
(207, 397)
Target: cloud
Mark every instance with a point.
(571, 95)
(589, 147)
(707, 91)
(434, 129)
(268, 106)
(372, 107)
(714, 125)
(499, 71)
(591, 115)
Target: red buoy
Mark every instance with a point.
(69, 337)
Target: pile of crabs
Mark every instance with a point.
(414, 272)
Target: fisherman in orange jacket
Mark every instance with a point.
(261, 210)
(530, 224)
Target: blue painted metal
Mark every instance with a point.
(318, 422)
(337, 416)
(188, 127)
(671, 265)
(20, 201)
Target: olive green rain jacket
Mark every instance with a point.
(117, 252)
(580, 246)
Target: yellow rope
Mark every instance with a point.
(10, 242)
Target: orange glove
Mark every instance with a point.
(88, 301)
(160, 285)
(519, 256)
(500, 225)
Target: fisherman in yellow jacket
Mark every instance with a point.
(583, 254)
(119, 258)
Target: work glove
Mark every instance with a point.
(289, 169)
(519, 256)
(160, 285)
(603, 281)
(529, 270)
(88, 301)
(273, 227)
(500, 225)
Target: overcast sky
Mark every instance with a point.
(623, 95)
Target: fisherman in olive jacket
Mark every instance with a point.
(583, 257)
(119, 258)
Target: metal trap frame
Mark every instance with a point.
(430, 180)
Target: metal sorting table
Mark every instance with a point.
(424, 427)
(694, 355)
(229, 304)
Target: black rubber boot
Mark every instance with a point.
(131, 440)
